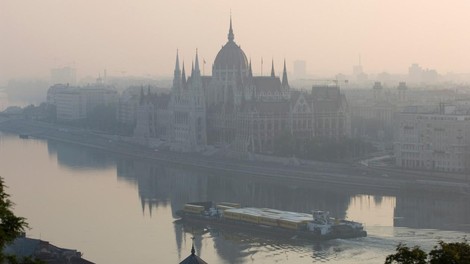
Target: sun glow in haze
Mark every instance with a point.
(372, 212)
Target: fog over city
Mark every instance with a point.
(243, 132)
(141, 37)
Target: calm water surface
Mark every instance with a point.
(121, 210)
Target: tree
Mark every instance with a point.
(444, 253)
(11, 226)
(452, 253)
(405, 255)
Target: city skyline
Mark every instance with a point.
(141, 38)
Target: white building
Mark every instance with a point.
(433, 141)
(70, 105)
(75, 103)
(152, 117)
(127, 108)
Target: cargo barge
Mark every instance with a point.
(315, 226)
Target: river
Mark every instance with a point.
(116, 209)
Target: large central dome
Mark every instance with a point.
(231, 57)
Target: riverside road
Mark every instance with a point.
(346, 174)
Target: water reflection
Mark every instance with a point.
(78, 157)
(239, 247)
(158, 183)
(433, 210)
(162, 186)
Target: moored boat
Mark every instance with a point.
(315, 226)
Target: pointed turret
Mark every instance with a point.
(193, 251)
(177, 73)
(183, 77)
(272, 69)
(285, 82)
(230, 31)
(250, 71)
(196, 69)
(193, 258)
(196, 80)
(177, 64)
(142, 203)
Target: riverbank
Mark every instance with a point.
(350, 175)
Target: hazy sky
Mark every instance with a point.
(140, 37)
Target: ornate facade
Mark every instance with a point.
(246, 113)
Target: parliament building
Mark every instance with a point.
(240, 111)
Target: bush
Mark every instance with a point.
(443, 253)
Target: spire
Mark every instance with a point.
(177, 73)
(272, 68)
(197, 64)
(230, 31)
(285, 83)
(192, 68)
(193, 251)
(177, 64)
(183, 76)
(250, 71)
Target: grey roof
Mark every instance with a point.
(193, 259)
(43, 250)
(278, 108)
(22, 247)
(325, 92)
(231, 56)
(327, 99)
(266, 84)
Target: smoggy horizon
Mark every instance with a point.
(141, 38)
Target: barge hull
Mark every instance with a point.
(266, 230)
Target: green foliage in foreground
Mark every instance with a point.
(443, 253)
(11, 226)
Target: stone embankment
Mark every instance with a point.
(314, 173)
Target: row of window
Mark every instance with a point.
(438, 165)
